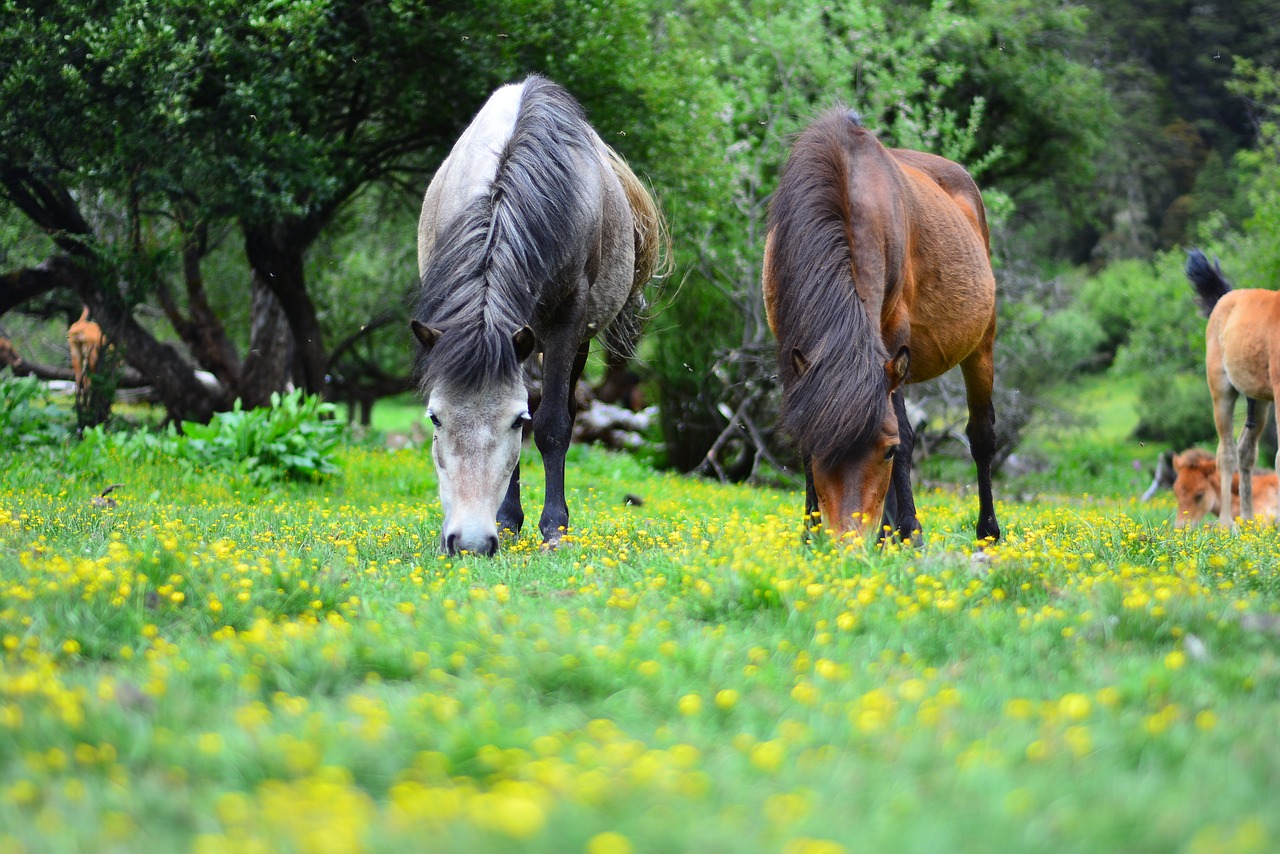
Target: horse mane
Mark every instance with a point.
(494, 260)
(837, 404)
(1207, 279)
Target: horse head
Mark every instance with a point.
(1196, 487)
(851, 487)
(476, 446)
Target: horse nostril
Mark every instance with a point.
(451, 544)
(491, 546)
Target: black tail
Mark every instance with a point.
(1208, 280)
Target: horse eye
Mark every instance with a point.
(1199, 495)
(888, 454)
(521, 420)
(434, 419)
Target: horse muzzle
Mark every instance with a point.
(455, 543)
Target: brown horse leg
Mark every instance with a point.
(553, 429)
(979, 377)
(1247, 452)
(1224, 403)
(902, 514)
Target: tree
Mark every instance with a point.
(909, 70)
(140, 134)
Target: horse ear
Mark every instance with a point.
(524, 342)
(798, 362)
(427, 336)
(897, 367)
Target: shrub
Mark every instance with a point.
(27, 419)
(293, 438)
(1175, 409)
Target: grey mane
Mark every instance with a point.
(496, 261)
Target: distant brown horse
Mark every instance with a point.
(84, 338)
(877, 274)
(1199, 490)
(1242, 356)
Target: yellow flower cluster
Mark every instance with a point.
(301, 670)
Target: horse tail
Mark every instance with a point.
(1207, 279)
(652, 260)
(653, 242)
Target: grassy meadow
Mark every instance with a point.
(198, 662)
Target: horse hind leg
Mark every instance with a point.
(1255, 421)
(979, 380)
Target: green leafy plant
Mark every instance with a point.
(293, 438)
(296, 437)
(27, 419)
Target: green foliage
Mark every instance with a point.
(296, 437)
(27, 419)
(1176, 410)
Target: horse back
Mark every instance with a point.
(955, 181)
(469, 167)
(948, 284)
(1240, 341)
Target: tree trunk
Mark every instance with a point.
(268, 364)
(275, 254)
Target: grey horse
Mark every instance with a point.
(535, 237)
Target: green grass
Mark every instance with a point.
(218, 665)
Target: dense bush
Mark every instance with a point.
(296, 437)
(1175, 410)
(27, 419)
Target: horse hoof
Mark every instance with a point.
(551, 545)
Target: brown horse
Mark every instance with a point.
(84, 338)
(877, 274)
(1199, 490)
(1242, 356)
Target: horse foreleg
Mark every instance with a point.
(905, 522)
(1247, 452)
(1224, 404)
(511, 514)
(562, 365)
(812, 515)
(979, 379)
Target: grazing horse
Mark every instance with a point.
(535, 237)
(1199, 490)
(1242, 356)
(84, 338)
(877, 273)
